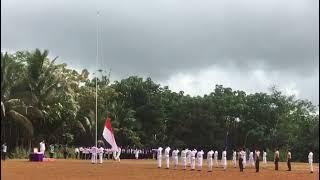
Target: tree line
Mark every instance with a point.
(42, 99)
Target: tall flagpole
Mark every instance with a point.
(97, 57)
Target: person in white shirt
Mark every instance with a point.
(234, 158)
(310, 159)
(81, 152)
(167, 156)
(264, 157)
(241, 157)
(42, 147)
(188, 157)
(251, 160)
(4, 151)
(200, 159)
(193, 159)
(136, 152)
(289, 160)
(216, 154)
(209, 160)
(100, 151)
(224, 159)
(76, 151)
(94, 151)
(175, 158)
(159, 156)
(244, 159)
(184, 158)
(118, 153)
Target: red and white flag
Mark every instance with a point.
(108, 135)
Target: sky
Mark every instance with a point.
(188, 45)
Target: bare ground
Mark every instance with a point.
(143, 170)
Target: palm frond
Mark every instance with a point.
(22, 121)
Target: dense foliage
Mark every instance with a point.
(41, 99)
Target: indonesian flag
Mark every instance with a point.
(108, 135)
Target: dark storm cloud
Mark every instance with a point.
(161, 38)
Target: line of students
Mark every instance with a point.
(189, 157)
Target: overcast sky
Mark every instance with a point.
(189, 45)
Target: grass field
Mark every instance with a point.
(143, 170)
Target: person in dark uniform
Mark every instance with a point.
(65, 152)
(241, 156)
(289, 160)
(276, 159)
(257, 159)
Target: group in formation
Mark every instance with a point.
(193, 158)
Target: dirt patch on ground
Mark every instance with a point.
(143, 170)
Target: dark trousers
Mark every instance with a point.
(51, 155)
(77, 155)
(65, 155)
(240, 164)
(257, 165)
(276, 163)
(289, 164)
(4, 155)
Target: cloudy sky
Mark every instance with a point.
(189, 45)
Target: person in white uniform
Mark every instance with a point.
(42, 147)
(184, 158)
(94, 151)
(251, 160)
(224, 159)
(193, 159)
(159, 156)
(100, 150)
(244, 162)
(310, 159)
(216, 158)
(175, 158)
(234, 158)
(167, 156)
(118, 153)
(264, 157)
(188, 157)
(200, 159)
(209, 160)
(137, 151)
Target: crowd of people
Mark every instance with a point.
(193, 157)
(188, 157)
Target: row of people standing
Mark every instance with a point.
(189, 157)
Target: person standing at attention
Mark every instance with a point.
(289, 160)
(276, 160)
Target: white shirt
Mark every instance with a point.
(289, 155)
(4, 148)
(257, 154)
(42, 146)
(76, 150)
(175, 153)
(200, 154)
(251, 155)
(242, 154)
(183, 153)
(193, 153)
(209, 154)
(167, 151)
(159, 151)
(264, 154)
(224, 154)
(234, 154)
(216, 154)
(310, 156)
(100, 150)
(94, 150)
